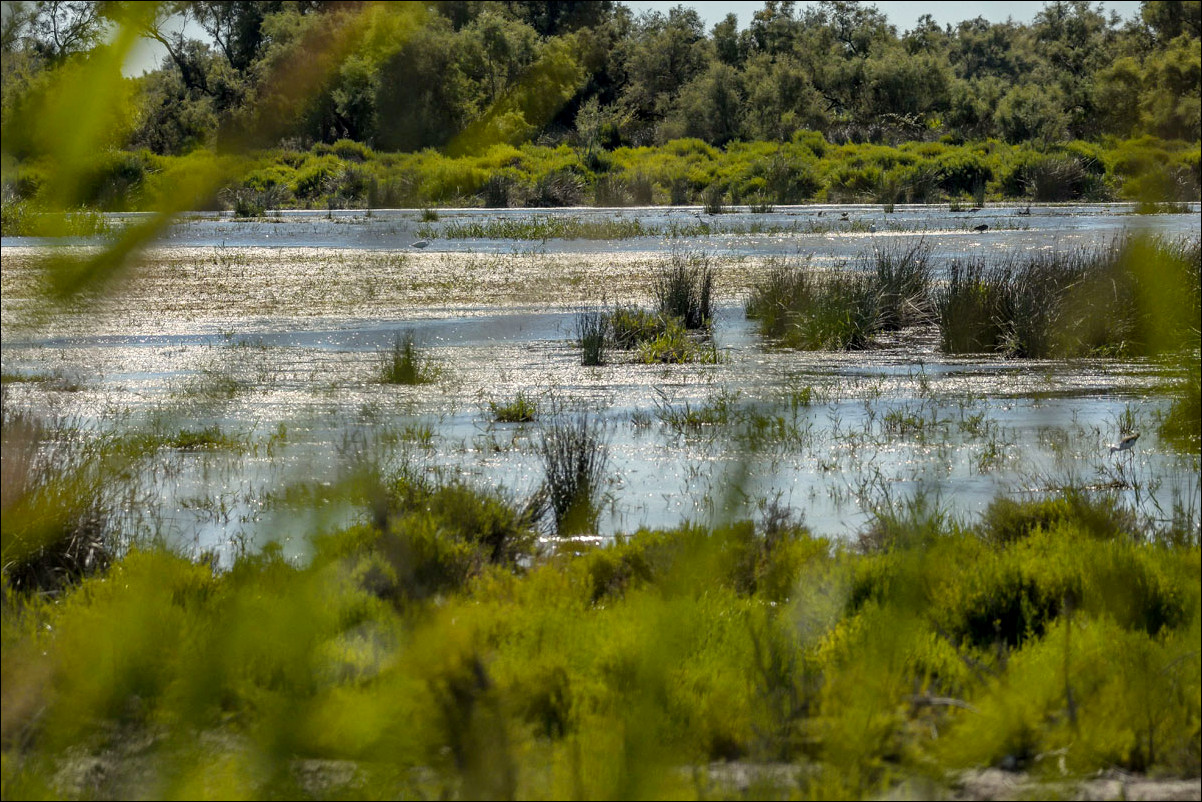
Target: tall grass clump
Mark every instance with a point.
(1131, 297)
(712, 199)
(592, 335)
(575, 457)
(971, 306)
(57, 504)
(903, 275)
(629, 326)
(403, 363)
(683, 289)
(797, 309)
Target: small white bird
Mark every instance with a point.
(1125, 443)
(421, 243)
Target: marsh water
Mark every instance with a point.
(273, 331)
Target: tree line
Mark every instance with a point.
(459, 74)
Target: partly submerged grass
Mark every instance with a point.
(522, 408)
(1131, 297)
(404, 363)
(796, 308)
(575, 459)
(683, 289)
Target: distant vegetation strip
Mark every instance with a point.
(686, 171)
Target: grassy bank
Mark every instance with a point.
(686, 171)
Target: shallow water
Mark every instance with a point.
(255, 334)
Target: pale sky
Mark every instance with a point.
(903, 15)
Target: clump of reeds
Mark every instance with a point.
(712, 199)
(403, 363)
(683, 289)
(522, 408)
(797, 309)
(592, 334)
(575, 458)
(903, 276)
(56, 504)
(1127, 298)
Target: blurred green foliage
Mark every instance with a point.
(431, 653)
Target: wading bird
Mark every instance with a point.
(982, 227)
(1125, 443)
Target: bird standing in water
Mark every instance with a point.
(1125, 443)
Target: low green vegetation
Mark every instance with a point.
(522, 408)
(433, 650)
(404, 363)
(1130, 298)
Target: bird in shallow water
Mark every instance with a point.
(1125, 443)
(421, 243)
(982, 227)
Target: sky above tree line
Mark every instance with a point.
(902, 14)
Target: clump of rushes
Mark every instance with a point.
(903, 276)
(402, 363)
(522, 409)
(683, 289)
(970, 306)
(629, 326)
(797, 309)
(674, 346)
(592, 334)
(1129, 298)
(575, 457)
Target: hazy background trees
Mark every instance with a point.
(421, 75)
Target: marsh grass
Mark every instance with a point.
(712, 199)
(676, 346)
(522, 408)
(795, 308)
(629, 326)
(904, 280)
(683, 289)
(58, 503)
(539, 227)
(575, 458)
(592, 335)
(404, 363)
(1131, 297)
